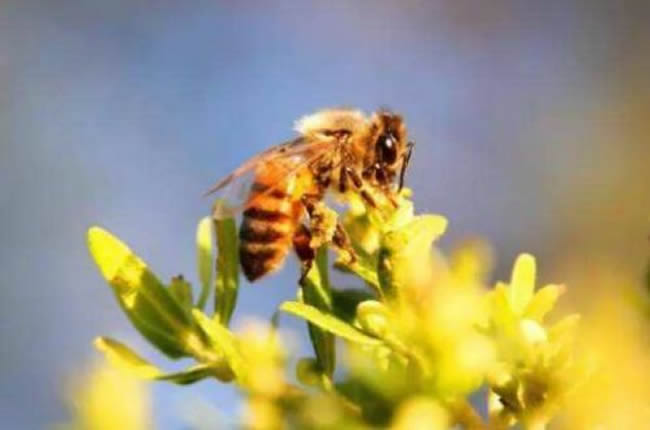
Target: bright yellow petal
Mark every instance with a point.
(522, 282)
(204, 241)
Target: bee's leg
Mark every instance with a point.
(325, 227)
(322, 220)
(384, 185)
(365, 195)
(342, 241)
(306, 254)
(391, 198)
(309, 202)
(369, 172)
(358, 183)
(405, 162)
(343, 180)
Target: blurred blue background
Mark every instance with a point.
(531, 122)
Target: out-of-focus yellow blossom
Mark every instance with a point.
(431, 326)
(420, 413)
(537, 366)
(443, 327)
(471, 262)
(264, 354)
(262, 414)
(265, 382)
(428, 334)
(107, 399)
(616, 335)
(322, 411)
(366, 226)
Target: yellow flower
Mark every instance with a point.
(264, 354)
(420, 413)
(262, 414)
(108, 399)
(536, 368)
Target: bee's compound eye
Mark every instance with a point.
(387, 148)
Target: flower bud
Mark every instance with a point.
(307, 372)
(373, 317)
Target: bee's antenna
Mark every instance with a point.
(405, 163)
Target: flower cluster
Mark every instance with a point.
(426, 341)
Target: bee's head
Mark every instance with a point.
(391, 148)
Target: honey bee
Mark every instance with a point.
(336, 150)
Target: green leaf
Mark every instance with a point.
(275, 320)
(344, 302)
(364, 267)
(328, 323)
(123, 357)
(181, 290)
(406, 252)
(543, 302)
(316, 292)
(151, 308)
(204, 259)
(374, 318)
(196, 373)
(522, 283)
(370, 394)
(227, 269)
(308, 372)
(224, 342)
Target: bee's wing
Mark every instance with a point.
(288, 159)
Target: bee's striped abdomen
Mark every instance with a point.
(267, 230)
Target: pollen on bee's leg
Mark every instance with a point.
(344, 246)
(323, 225)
